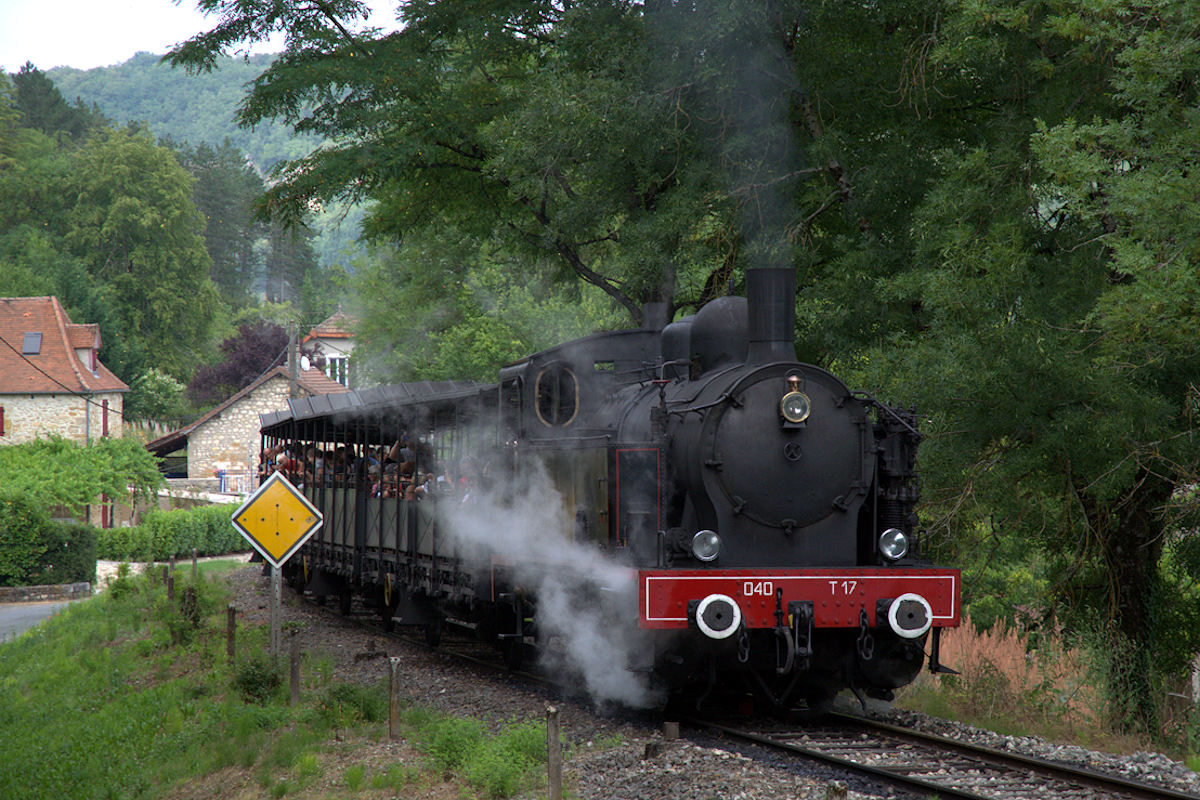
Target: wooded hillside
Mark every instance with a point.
(197, 109)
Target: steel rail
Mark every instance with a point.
(1080, 775)
(889, 778)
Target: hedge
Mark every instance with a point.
(70, 555)
(163, 534)
(35, 551)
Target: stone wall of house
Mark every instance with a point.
(230, 441)
(27, 417)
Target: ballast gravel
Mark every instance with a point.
(616, 755)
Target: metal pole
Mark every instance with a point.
(293, 359)
(275, 597)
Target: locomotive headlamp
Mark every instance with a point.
(893, 544)
(795, 406)
(706, 545)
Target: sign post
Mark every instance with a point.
(277, 520)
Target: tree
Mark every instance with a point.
(539, 126)
(226, 189)
(131, 220)
(1015, 286)
(156, 396)
(461, 311)
(255, 348)
(43, 108)
(59, 472)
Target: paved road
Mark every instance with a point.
(16, 618)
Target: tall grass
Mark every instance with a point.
(1014, 683)
(128, 695)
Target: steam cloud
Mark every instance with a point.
(586, 601)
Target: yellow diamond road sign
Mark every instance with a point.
(277, 519)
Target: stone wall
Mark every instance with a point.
(231, 439)
(27, 417)
(34, 594)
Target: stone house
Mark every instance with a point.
(224, 443)
(51, 378)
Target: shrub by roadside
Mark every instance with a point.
(162, 534)
(34, 550)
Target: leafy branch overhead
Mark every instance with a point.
(579, 135)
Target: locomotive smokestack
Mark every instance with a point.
(771, 307)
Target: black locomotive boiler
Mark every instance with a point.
(762, 511)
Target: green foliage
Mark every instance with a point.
(24, 532)
(257, 678)
(124, 254)
(70, 555)
(163, 534)
(504, 764)
(348, 704)
(449, 741)
(36, 551)
(190, 108)
(468, 313)
(43, 108)
(499, 764)
(156, 395)
(58, 472)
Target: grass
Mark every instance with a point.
(1009, 686)
(125, 696)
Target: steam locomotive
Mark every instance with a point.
(754, 517)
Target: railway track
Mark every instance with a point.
(926, 765)
(931, 765)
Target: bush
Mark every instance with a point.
(348, 703)
(257, 678)
(502, 765)
(24, 532)
(448, 742)
(70, 555)
(162, 534)
(35, 551)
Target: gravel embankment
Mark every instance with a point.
(642, 766)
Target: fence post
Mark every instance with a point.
(295, 667)
(230, 631)
(553, 754)
(393, 698)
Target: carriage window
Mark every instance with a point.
(557, 395)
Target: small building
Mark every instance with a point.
(51, 378)
(223, 445)
(328, 347)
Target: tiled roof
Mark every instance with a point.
(337, 326)
(54, 368)
(84, 336)
(312, 381)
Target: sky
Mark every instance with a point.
(96, 33)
